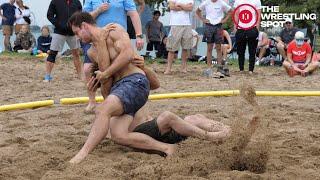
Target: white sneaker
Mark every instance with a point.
(257, 63)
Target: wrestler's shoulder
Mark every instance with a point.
(111, 26)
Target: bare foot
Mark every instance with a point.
(167, 72)
(220, 136)
(78, 158)
(90, 108)
(170, 150)
(184, 71)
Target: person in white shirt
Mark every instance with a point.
(213, 33)
(247, 32)
(180, 33)
(22, 15)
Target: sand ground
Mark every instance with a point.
(37, 143)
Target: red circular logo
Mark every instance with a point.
(245, 17)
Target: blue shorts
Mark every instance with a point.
(133, 92)
(85, 47)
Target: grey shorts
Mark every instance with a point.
(213, 33)
(58, 41)
(179, 36)
(133, 92)
(151, 129)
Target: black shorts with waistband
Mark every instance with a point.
(151, 129)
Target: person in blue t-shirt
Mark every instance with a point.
(105, 12)
(44, 41)
(8, 19)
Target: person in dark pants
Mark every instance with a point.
(155, 33)
(247, 34)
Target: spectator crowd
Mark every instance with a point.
(291, 48)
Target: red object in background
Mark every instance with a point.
(68, 2)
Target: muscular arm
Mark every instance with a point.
(123, 47)
(94, 57)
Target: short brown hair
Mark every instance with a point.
(79, 17)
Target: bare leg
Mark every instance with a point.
(290, 70)
(224, 51)
(120, 134)
(6, 42)
(110, 107)
(281, 50)
(49, 67)
(209, 54)
(170, 61)
(219, 54)
(204, 123)
(312, 67)
(92, 95)
(167, 121)
(77, 62)
(262, 53)
(184, 56)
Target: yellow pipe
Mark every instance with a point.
(78, 100)
(193, 94)
(288, 93)
(27, 105)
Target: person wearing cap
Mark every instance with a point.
(286, 36)
(298, 60)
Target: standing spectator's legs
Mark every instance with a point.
(252, 35)
(209, 54)
(49, 65)
(170, 61)
(219, 54)
(225, 48)
(186, 45)
(218, 40)
(77, 62)
(74, 44)
(7, 32)
(184, 58)
(57, 44)
(173, 44)
(241, 41)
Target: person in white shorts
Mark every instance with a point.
(58, 14)
(180, 32)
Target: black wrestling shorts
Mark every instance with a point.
(151, 129)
